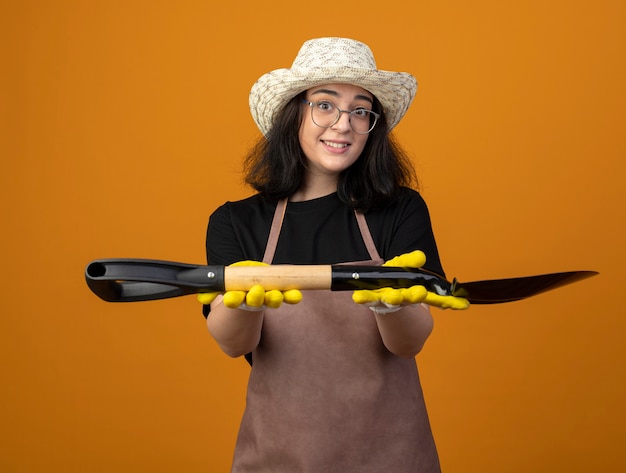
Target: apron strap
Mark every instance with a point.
(277, 223)
(367, 236)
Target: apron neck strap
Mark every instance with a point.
(277, 223)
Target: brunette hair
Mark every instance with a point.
(275, 166)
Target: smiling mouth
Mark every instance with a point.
(336, 145)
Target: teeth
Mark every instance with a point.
(335, 145)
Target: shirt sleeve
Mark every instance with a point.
(221, 244)
(222, 247)
(409, 228)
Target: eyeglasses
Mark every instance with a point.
(325, 114)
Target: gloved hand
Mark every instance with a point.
(256, 298)
(387, 299)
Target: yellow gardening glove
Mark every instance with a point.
(256, 298)
(387, 299)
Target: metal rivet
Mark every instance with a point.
(355, 276)
(210, 274)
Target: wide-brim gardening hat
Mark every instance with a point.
(331, 61)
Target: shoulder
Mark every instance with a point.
(242, 218)
(254, 201)
(406, 201)
(409, 197)
(238, 230)
(243, 209)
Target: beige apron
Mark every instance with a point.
(326, 396)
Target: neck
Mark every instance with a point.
(303, 195)
(314, 188)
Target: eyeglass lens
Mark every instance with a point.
(325, 114)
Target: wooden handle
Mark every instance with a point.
(281, 277)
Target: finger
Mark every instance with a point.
(248, 263)
(446, 302)
(273, 299)
(414, 294)
(365, 296)
(293, 296)
(414, 259)
(255, 296)
(233, 299)
(391, 297)
(207, 297)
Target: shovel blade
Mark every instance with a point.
(496, 291)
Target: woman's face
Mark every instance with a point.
(331, 150)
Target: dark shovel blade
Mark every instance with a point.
(496, 291)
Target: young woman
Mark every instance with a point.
(334, 385)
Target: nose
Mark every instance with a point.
(343, 122)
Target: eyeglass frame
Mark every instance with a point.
(339, 112)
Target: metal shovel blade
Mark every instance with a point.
(496, 291)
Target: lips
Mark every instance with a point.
(334, 144)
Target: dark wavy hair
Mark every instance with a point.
(275, 166)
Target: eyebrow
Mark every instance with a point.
(336, 94)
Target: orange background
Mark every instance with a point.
(123, 128)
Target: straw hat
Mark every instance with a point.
(325, 61)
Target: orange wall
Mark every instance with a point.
(123, 126)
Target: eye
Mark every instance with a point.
(324, 106)
(361, 113)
